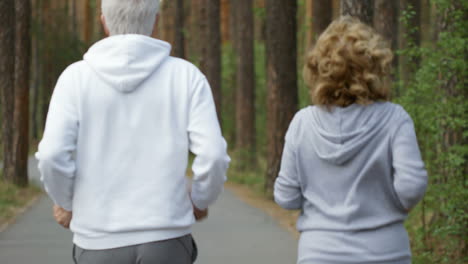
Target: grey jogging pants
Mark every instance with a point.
(180, 250)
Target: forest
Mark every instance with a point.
(252, 52)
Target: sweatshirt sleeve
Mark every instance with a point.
(55, 155)
(410, 176)
(287, 190)
(206, 142)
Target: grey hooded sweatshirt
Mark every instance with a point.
(352, 171)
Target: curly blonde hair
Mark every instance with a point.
(348, 65)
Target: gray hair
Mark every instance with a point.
(130, 16)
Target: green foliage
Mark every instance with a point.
(228, 86)
(12, 198)
(252, 177)
(228, 91)
(260, 97)
(436, 98)
(57, 46)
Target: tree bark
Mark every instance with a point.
(225, 21)
(47, 69)
(281, 80)
(22, 77)
(362, 9)
(179, 45)
(309, 34)
(194, 49)
(202, 32)
(233, 24)
(336, 4)
(88, 22)
(99, 29)
(36, 75)
(211, 48)
(7, 84)
(245, 95)
(167, 22)
(74, 20)
(322, 11)
(386, 24)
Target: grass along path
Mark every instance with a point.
(14, 201)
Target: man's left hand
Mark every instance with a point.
(62, 216)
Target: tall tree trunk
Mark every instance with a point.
(230, 84)
(321, 16)
(99, 29)
(309, 17)
(245, 90)
(194, 27)
(213, 66)
(211, 48)
(336, 4)
(386, 24)
(167, 19)
(179, 45)
(362, 9)
(74, 19)
(203, 33)
(35, 73)
(88, 22)
(22, 71)
(47, 69)
(7, 84)
(411, 33)
(233, 24)
(225, 21)
(281, 79)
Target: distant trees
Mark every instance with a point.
(245, 90)
(318, 15)
(386, 20)
(88, 22)
(7, 84)
(362, 9)
(322, 12)
(179, 39)
(167, 22)
(281, 80)
(14, 88)
(433, 76)
(413, 16)
(386, 23)
(22, 77)
(210, 42)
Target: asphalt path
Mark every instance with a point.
(233, 233)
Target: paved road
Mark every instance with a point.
(234, 233)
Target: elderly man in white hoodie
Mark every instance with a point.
(115, 149)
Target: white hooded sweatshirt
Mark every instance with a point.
(115, 149)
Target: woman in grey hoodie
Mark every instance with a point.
(351, 163)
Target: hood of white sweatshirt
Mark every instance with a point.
(340, 133)
(125, 61)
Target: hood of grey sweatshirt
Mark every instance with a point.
(341, 133)
(350, 169)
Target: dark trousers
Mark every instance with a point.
(180, 250)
